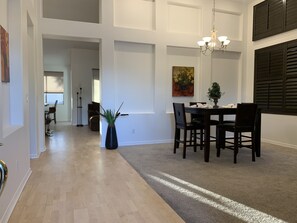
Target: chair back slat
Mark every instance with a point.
(179, 114)
(246, 115)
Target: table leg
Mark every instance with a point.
(258, 134)
(206, 137)
(219, 135)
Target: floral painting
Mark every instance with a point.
(182, 81)
(4, 55)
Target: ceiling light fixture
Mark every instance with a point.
(209, 44)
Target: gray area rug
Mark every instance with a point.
(220, 191)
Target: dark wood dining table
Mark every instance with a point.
(221, 112)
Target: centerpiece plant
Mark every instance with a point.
(214, 93)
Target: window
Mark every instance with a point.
(96, 86)
(275, 89)
(53, 87)
(274, 16)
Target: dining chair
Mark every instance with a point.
(245, 120)
(200, 119)
(52, 111)
(47, 122)
(182, 124)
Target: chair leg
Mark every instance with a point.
(253, 147)
(191, 136)
(218, 141)
(201, 139)
(218, 137)
(55, 118)
(176, 137)
(235, 146)
(195, 140)
(185, 142)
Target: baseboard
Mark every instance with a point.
(171, 141)
(145, 142)
(43, 149)
(279, 143)
(34, 156)
(15, 198)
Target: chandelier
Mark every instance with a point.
(210, 43)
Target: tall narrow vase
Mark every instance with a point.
(111, 141)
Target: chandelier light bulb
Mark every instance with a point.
(222, 38)
(226, 42)
(201, 43)
(206, 39)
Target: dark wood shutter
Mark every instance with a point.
(276, 70)
(291, 15)
(291, 78)
(275, 87)
(272, 17)
(262, 78)
(275, 16)
(260, 27)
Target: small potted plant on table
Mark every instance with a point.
(214, 93)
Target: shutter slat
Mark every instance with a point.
(291, 15)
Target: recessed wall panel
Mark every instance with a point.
(184, 19)
(134, 71)
(137, 14)
(179, 56)
(74, 10)
(228, 24)
(225, 71)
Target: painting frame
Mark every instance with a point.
(4, 48)
(183, 81)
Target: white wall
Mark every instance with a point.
(160, 45)
(15, 100)
(277, 129)
(57, 58)
(82, 63)
(137, 58)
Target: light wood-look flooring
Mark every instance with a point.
(75, 180)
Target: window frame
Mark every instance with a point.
(59, 90)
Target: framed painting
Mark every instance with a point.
(182, 81)
(4, 55)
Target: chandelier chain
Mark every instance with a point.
(213, 14)
(211, 43)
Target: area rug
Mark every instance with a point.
(220, 191)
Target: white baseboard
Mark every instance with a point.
(43, 149)
(34, 156)
(279, 143)
(15, 198)
(145, 142)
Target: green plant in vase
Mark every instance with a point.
(214, 93)
(111, 141)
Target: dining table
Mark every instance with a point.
(221, 112)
